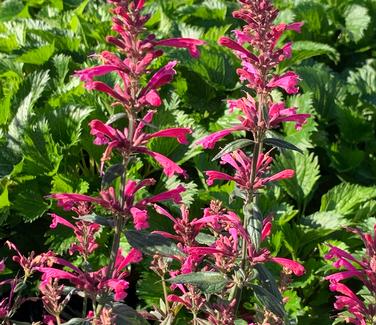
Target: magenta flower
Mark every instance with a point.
(242, 165)
(116, 139)
(188, 43)
(30, 263)
(94, 283)
(288, 81)
(290, 265)
(128, 23)
(362, 311)
(109, 201)
(85, 235)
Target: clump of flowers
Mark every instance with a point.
(358, 309)
(221, 253)
(136, 95)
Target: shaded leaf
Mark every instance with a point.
(152, 244)
(282, 144)
(112, 173)
(207, 282)
(270, 302)
(232, 146)
(127, 315)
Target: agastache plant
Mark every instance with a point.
(136, 100)
(355, 308)
(258, 47)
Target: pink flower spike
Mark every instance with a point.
(101, 86)
(140, 4)
(295, 26)
(140, 218)
(287, 81)
(2, 266)
(266, 229)
(89, 73)
(179, 133)
(188, 43)
(134, 256)
(169, 167)
(161, 77)
(209, 141)
(174, 195)
(103, 133)
(291, 265)
(228, 42)
(336, 277)
(215, 175)
(153, 99)
(59, 220)
(119, 286)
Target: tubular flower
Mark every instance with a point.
(109, 201)
(116, 139)
(363, 269)
(93, 283)
(242, 165)
(138, 54)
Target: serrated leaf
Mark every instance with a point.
(357, 20)
(330, 220)
(301, 138)
(346, 198)
(307, 173)
(112, 173)
(10, 9)
(282, 144)
(207, 282)
(127, 315)
(232, 146)
(270, 302)
(152, 244)
(37, 56)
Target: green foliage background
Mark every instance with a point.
(45, 145)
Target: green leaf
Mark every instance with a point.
(301, 138)
(303, 50)
(232, 146)
(357, 20)
(282, 144)
(4, 200)
(270, 302)
(10, 9)
(152, 244)
(29, 200)
(30, 91)
(37, 56)
(307, 173)
(330, 220)
(268, 282)
(94, 218)
(112, 173)
(127, 315)
(254, 226)
(346, 198)
(207, 282)
(205, 239)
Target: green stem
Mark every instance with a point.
(165, 294)
(250, 198)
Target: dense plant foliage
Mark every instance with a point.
(46, 146)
